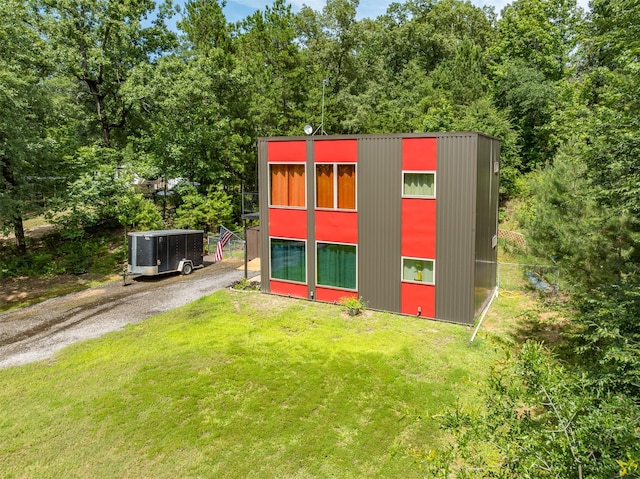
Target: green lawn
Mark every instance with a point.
(242, 385)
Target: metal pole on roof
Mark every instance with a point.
(325, 83)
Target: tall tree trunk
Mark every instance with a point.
(21, 242)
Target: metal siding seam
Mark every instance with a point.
(473, 158)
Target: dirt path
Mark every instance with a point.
(37, 332)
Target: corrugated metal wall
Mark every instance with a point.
(311, 221)
(486, 225)
(455, 227)
(379, 221)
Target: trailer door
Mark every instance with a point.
(163, 255)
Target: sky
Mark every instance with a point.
(238, 9)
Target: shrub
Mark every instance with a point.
(353, 306)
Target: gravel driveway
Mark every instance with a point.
(37, 332)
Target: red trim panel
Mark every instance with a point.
(337, 226)
(288, 223)
(329, 295)
(414, 296)
(419, 228)
(288, 289)
(289, 151)
(335, 151)
(419, 154)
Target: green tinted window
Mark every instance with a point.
(289, 260)
(337, 265)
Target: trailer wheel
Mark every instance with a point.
(187, 268)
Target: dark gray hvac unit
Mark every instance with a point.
(166, 251)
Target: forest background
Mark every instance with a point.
(95, 93)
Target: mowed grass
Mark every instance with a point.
(240, 385)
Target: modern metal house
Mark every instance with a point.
(408, 222)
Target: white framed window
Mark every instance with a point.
(287, 185)
(418, 270)
(288, 259)
(336, 186)
(337, 265)
(418, 184)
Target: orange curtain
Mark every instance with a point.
(296, 185)
(347, 187)
(287, 185)
(324, 186)
(279, 185)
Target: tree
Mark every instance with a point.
(194, 127)
(99, 43)
(26, 102)
(269, 57)
(540, 33)
(204, 212)
(206, 27)
(530, 101)
(539, 420)
(94, 197)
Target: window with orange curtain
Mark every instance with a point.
(336, 186)
(347, 187)
(287, 185)
(324, 186)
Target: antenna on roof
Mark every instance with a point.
(325, 83)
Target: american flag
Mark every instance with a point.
(225, 236)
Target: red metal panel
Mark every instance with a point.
(419, 228)
(288, 223)
(337, 226)
(288, 289)
(334, 151)
(330, 295)
(414, 296)
(419, 154)
(288, 151)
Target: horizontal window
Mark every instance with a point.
(289, 260)
(419, 184)
(287, 185)
(418, 270)
(336, 186)
(336, 265)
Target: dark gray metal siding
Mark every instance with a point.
(486, 225)
(379, 221)
(311, 221)
(455, 227)
(263, 196)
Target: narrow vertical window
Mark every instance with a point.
(324, 186)
(347, 187)
(287, 185)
